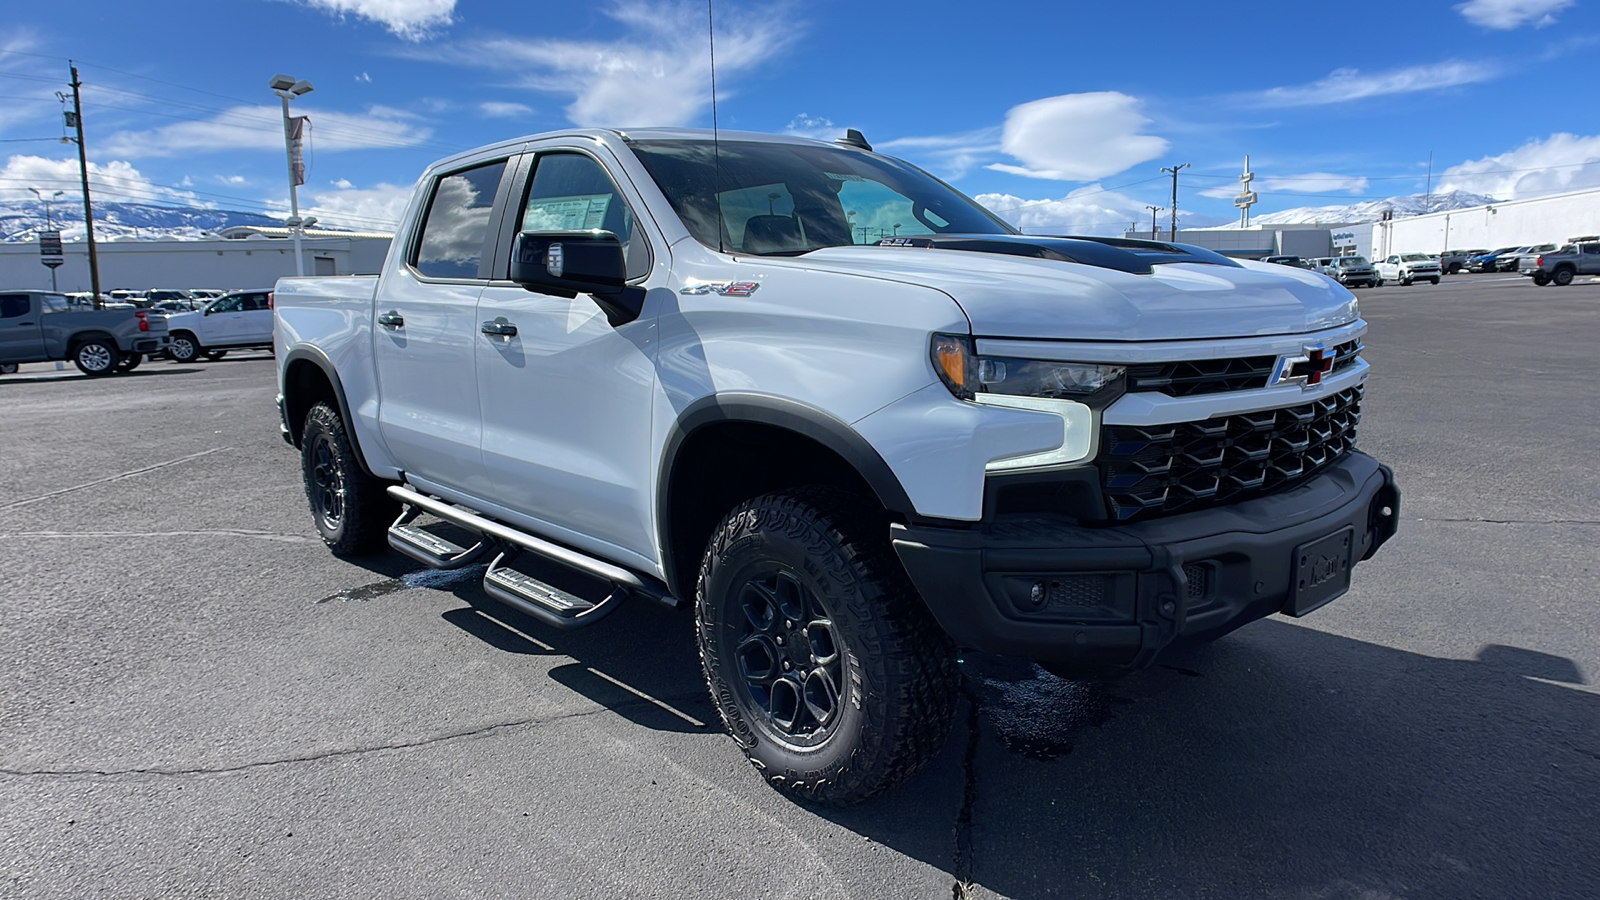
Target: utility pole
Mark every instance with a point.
(1153, 211)
(1427, 204)
(1174, 170)
(88, 207)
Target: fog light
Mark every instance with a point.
(1038, 594)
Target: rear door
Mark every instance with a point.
(566, 400)
(222, 322)
(255, 324)
(21, 337)
(1589, 258)
(425, 330)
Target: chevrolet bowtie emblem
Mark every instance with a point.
(1306, 369)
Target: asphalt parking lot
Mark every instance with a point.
(198, 700)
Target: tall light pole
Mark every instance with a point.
(49, 225)
(288, 88)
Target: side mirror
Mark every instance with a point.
(569, 263)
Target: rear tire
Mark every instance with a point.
(826, 667)
(1541, 278)
(184, 348)
(8, 368)
(1562, 277)
(96, 357)
(351, 509)
(129, 362)
(213, 355)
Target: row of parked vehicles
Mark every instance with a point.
(39, 326)
(1358, 271)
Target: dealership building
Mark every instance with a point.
(240, 257)
(1259, 241)
(1514, 223)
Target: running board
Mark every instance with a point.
(513, 539)
(428, 548)
(547, 603)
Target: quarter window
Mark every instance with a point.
(457, 222)
(571, 192)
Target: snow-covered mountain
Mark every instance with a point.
(21, 220)
(1373, 210)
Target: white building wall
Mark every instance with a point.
(1541, 220)
(223, 264)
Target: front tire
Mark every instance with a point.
(184, 348)
(351, 509)
(96, 357)
(825, 665)
(1434, 280)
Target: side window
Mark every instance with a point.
(1591, 249)
(227, 304)
(571, 192)
(457, 221)
(254, 302)
(14, 306)
(53, 302)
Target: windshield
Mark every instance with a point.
(1352, 260)
(776, 199)
(1415, 257)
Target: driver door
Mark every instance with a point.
(566, 400)
(222, 321)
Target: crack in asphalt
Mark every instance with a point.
(1512, 521)
(211, 532)
(318, 757)
(110, 478)
(961, 866)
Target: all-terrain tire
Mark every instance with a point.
(351, 509)
(893, 668)
(185, 347)
(96, 357)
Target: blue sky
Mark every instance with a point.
(1057, 114)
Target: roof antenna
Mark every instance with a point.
(716, 141)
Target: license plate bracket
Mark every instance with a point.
(1320, 572)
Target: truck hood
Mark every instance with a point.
(1021, 297)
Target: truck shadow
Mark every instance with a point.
(75, 375)
(1280, 762)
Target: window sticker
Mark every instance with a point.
(579, 213)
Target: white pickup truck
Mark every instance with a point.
(845, 413)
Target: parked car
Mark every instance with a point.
(1513, 262)
(205, 293)
(241, 320)
(1559, 267)
(1294, 261)
(38, 326)
(160, 295)
(1453, 261)
(1324, 264)
(633, 373)
(1354, 271)
(1489, 262)
(1407, 268)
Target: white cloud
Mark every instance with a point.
(1078, 137)
(656, 73)
(1309, 183)
(1504, 15)
(410, 20)
(261, 128)
(342, 183)
(378, 208)
(1345, 85)
(1561, 162)
(31, 109)
(949, 156)
(364, 78)
(232, 179)
(115, 180)
(498, 109)
(1090, 209)
(814, 127)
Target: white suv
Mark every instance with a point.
(241, 320)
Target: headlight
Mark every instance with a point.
(1070, 391)
(968, 375)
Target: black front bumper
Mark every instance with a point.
(1107, 600)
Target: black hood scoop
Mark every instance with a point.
(1121, 254)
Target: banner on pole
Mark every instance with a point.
(297, 156)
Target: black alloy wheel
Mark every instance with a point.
(325, 486)
(350, 508)
(823, 662)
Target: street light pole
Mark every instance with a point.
(286, 88)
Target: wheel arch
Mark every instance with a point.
(309, 376)
(726, 448)
(92, 334)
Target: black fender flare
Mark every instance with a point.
(315, 356)
(808, 421)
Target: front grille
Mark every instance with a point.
(1215, 376)
(1158, 470)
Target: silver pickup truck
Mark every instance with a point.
(37, 326)
(1561, 266)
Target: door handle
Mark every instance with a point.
(500, 328)
(392, 320)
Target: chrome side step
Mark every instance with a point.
(545, 602)
(551, 604)
(430, 549)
